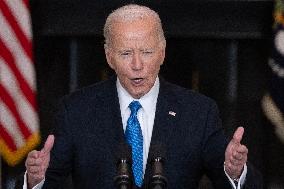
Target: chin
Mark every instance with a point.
(137, 95)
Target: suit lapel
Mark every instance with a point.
(112, 121)
(166, 117)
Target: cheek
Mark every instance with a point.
(122, 71)
(156, 64)
(154, 69)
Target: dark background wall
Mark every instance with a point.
(217, 47)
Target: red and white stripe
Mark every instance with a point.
(18, 108)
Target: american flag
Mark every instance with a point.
(273, 102)
(19, 124)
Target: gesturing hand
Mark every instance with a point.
(236, 155)
(37, 163)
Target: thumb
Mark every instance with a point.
(48, 144)
(238, 135)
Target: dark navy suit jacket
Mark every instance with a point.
(89, 128)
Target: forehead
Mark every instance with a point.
(138, 31)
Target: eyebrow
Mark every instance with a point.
(131, 50)
(124, 50)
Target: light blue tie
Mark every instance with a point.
(134, 138)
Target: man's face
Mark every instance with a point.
(135, 54)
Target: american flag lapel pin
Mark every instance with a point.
(172, 113)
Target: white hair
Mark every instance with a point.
(130, 13)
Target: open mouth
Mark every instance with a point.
(137, 81)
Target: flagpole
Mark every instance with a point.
(0, 172)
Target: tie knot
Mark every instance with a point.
(134, 107)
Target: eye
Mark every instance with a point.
(148, 52)
(125, 53)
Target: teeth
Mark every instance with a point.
(137, 80)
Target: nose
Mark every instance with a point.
(137, 63)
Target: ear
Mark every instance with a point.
(108, 55)
(163, 54)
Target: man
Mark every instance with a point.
(93, 121)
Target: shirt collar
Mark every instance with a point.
(147, 101)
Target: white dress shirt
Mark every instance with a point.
(146, 116)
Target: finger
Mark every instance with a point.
(232, 168)
(34, 169)
(237, 156)
(33, 154)
(35, 176)
(238, 135)
(238, 159)
(234, 172)
(31, 159)
(242, 149)
(34, 162)
(237, 163)
(48, 144)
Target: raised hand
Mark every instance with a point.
(37, 162)
(236, 155)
